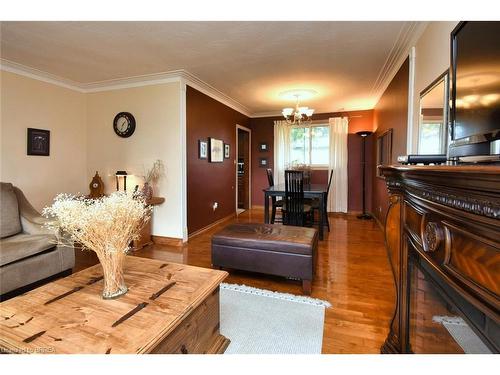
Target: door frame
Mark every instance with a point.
(249, 131)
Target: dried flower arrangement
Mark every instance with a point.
(106, 226)
(151, 178)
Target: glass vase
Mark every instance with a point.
(112, 268)
(147, 191)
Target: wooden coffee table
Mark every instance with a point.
(169, 308)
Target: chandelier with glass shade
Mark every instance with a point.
(298, 115)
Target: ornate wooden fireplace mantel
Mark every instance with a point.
(443, 241)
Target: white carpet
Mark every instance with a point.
(259, 321)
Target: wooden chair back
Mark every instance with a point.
(294, 198)
(329, 182)
(270, 177)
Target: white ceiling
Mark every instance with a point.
(349, 64)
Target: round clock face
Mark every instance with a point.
(95, 185)
(124, 124)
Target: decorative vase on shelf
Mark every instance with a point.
(112, 272)
(147, 191)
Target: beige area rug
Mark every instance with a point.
(259, 321)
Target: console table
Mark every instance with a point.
(443, 241)
(145, 235)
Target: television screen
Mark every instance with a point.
(476, 79)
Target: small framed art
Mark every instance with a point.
(216, 150)
(263, 146)
(263, 163)
(202, 149)
(38, 142)
(227, 150)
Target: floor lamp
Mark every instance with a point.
(363, 135)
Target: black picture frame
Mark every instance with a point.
(263, 162)
(38, 143)
(202, 149)
(227, 151)
(263, 147)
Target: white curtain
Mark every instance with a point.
(281, 150)
(337, 197)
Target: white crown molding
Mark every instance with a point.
(124, 83)
(202, 86)
(267, 114)
(407, 38)
(131, 82)
(26, 71)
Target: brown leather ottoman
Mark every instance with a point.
(267, 248)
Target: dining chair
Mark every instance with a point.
(295, 211)
(275, 203)
(315, 203)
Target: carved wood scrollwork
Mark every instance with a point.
(393, 247)
(394, 185)
(432, 237)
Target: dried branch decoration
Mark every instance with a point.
(154, 174)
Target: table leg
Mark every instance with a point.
(321, 215)
(266, 208)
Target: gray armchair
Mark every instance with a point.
(28, 252)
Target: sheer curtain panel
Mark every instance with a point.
(337, 198)
(281, 150)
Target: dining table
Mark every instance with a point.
(314, 191)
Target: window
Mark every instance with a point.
(310, 145)
(431, 138)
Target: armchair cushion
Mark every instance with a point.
(24, 245)
(10, 222)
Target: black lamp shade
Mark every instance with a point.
(123, 174)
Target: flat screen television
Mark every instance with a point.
(475, 91)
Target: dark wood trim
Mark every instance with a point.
(170, 241)
(208, 227)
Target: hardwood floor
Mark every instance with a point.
(353, 274)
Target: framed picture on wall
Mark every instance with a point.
(263, 147)
(384, 150)
(38, 142)
(216, 150)
(202, 149)
(226, 151)
(263, 162)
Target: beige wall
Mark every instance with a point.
(28, 103)
(83, 141)
(156, 110)
(432, 58)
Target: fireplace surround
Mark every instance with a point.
(442, 238)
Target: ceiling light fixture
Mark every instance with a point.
(298, 115)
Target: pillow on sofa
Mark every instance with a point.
(10, 222)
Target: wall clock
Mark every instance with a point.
(124, 124)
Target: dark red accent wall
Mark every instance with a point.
(209, 182)
(391, 112)
(262, 131)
